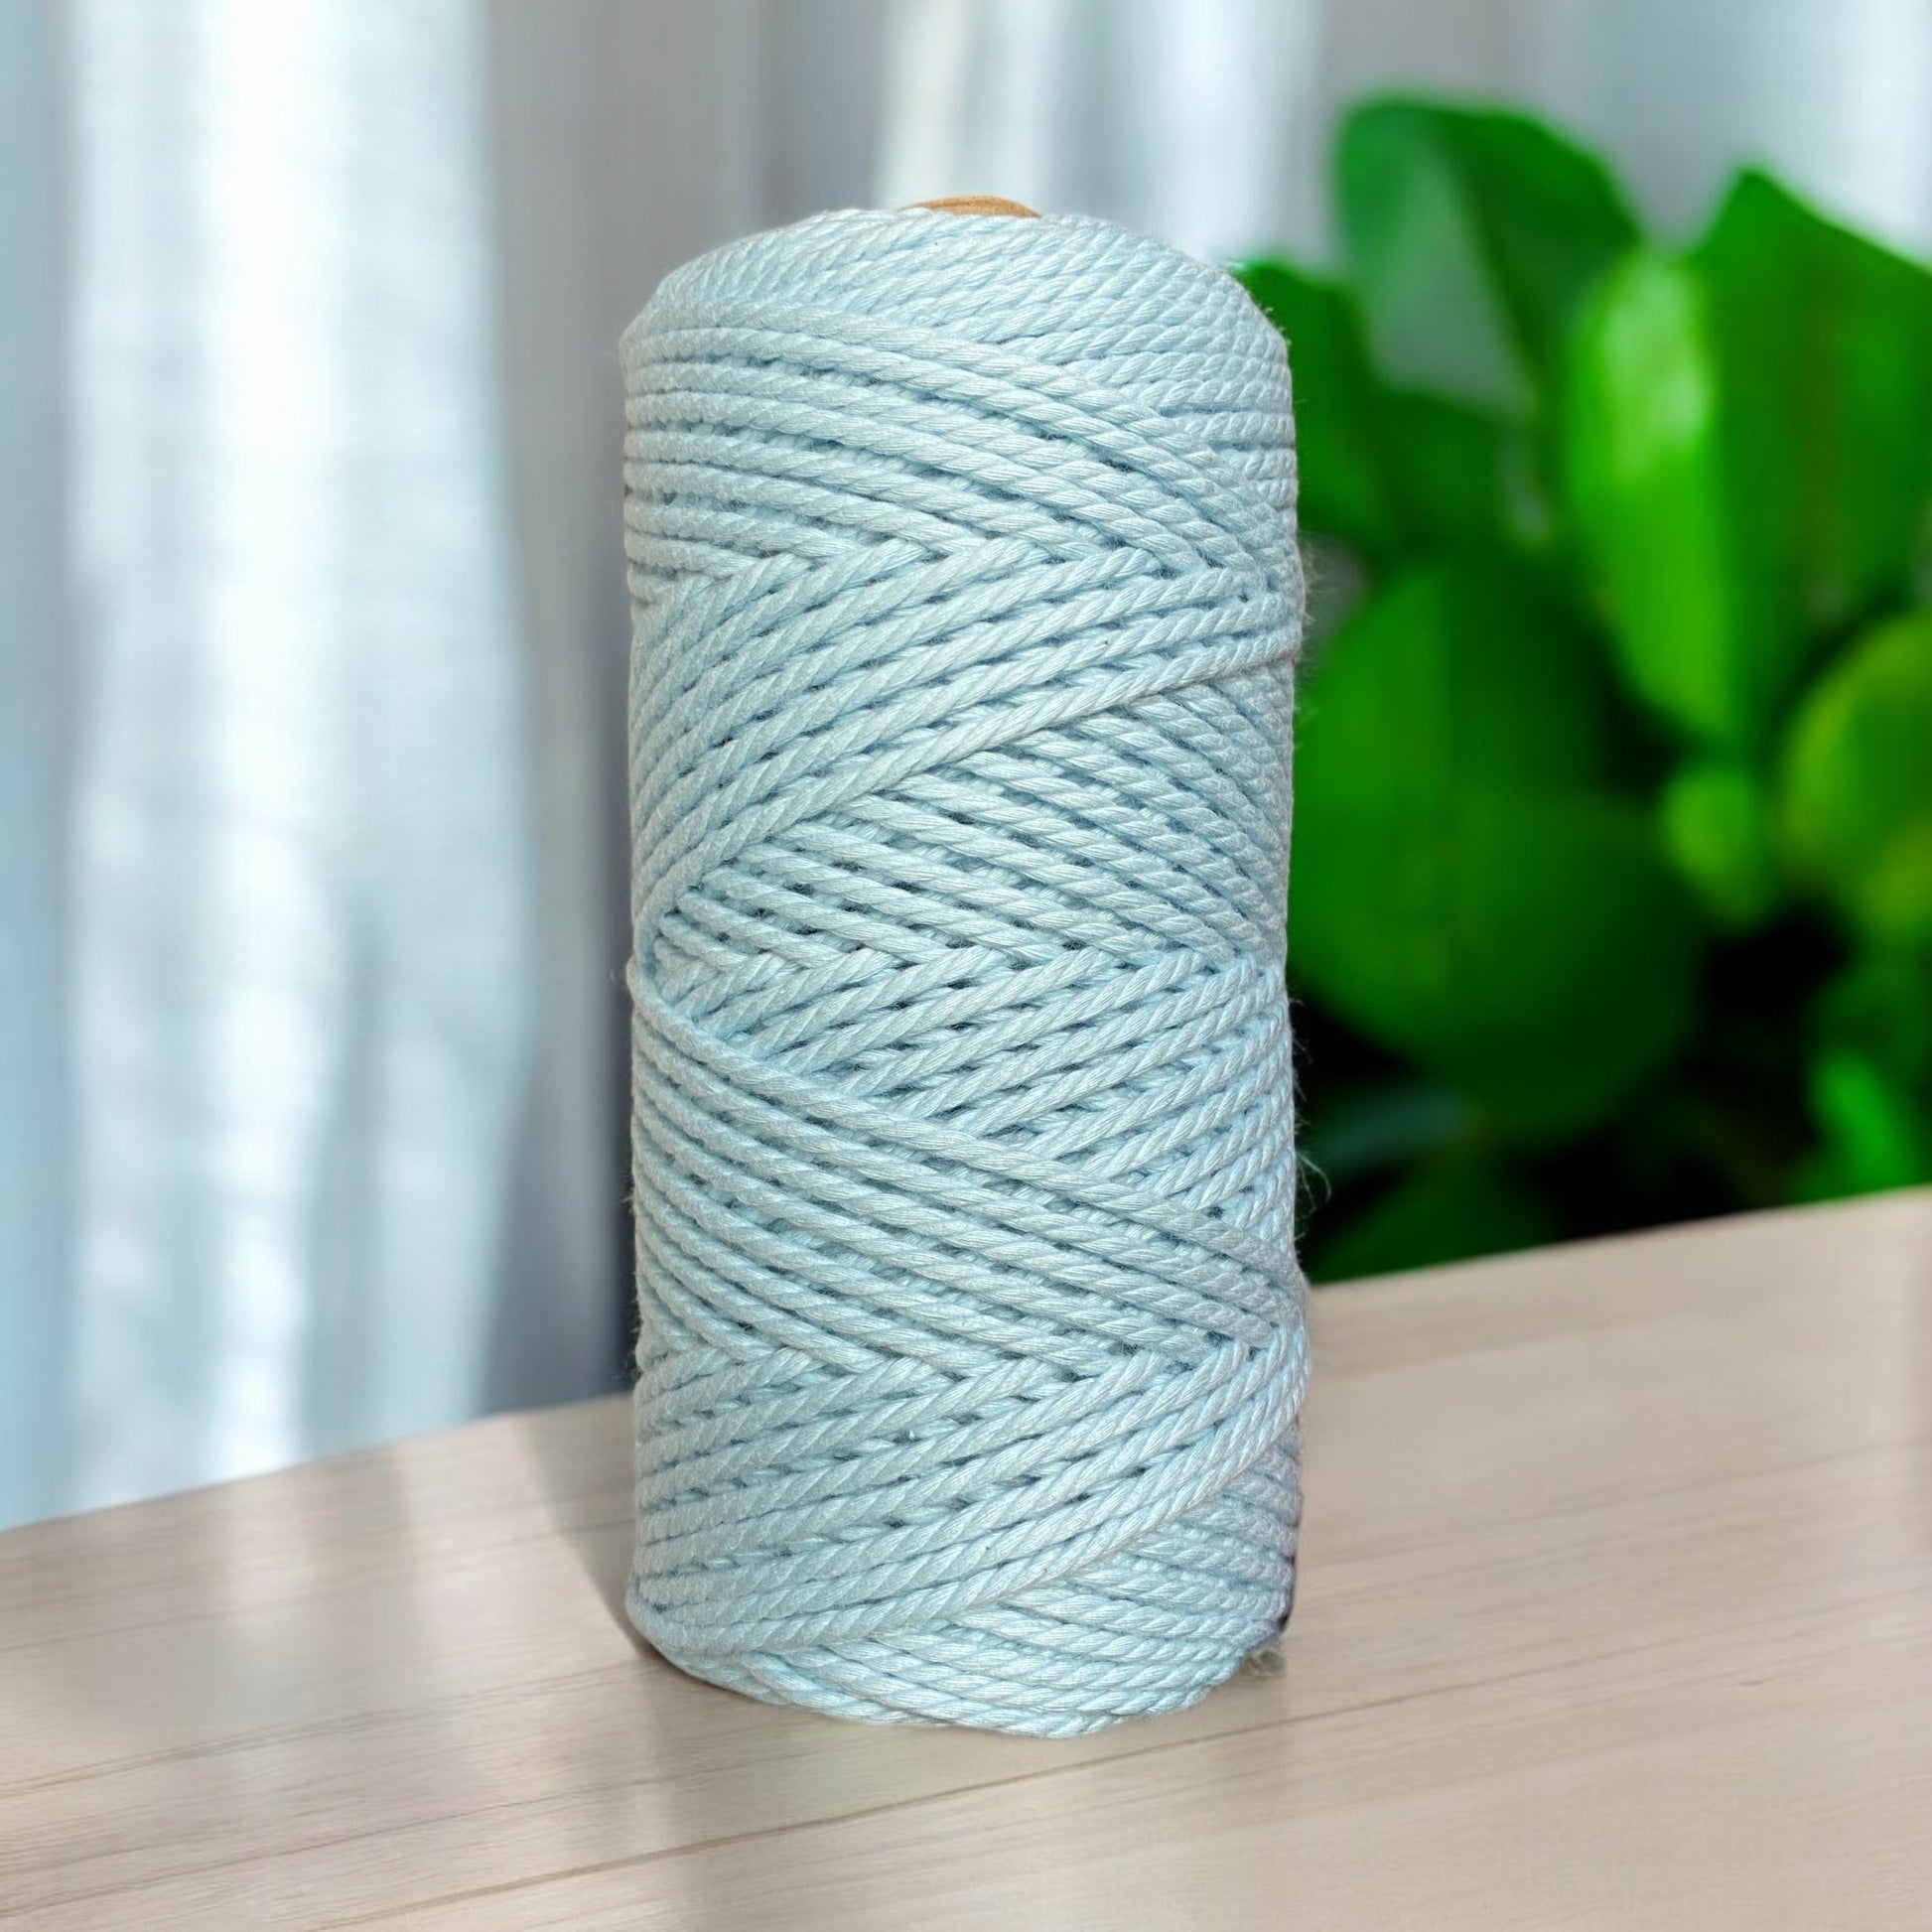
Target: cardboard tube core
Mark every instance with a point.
(980, 205)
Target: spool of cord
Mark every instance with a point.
(966, 595)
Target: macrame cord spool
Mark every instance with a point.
(966, 598)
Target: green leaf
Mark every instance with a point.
(1470, 236)
(1871, 1080)
(1748, 453)
(1370, 1128)
(1386, 471)
(1457, 675)
(1447, 1212)
(1826, 347)
(1342, 487)
(1880, 1007)
(1857, 782)
(1460, 478)
(1718, 829)
(1463, 890)
(1871, 1134)
(1651, 486)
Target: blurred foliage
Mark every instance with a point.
(1611, 893)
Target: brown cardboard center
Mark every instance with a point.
(980, 205)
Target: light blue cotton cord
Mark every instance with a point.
(966, 605)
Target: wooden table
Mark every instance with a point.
(1616, 1611)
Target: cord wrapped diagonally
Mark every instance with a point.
(966, 600)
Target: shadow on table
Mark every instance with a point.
(580, 1457)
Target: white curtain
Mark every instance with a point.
(311, 645)
(35, 1308)
(1182, 120)
(312, 611)
(302, 913)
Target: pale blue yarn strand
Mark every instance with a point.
(966, 597)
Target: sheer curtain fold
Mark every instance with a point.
(301, 924)
(37, 691)
(1187, 121)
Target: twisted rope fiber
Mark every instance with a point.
(966, 599)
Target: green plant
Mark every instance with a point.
(1612, 892)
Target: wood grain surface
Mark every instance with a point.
(1616, 1611)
